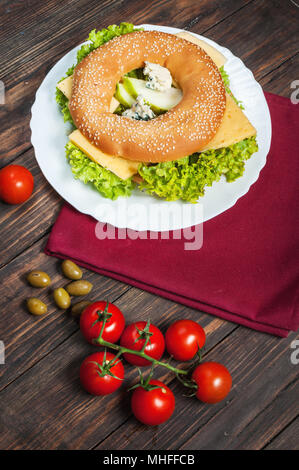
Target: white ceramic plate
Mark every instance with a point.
(141, 211)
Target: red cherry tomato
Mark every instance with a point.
(154, 348)
(91, 322)
(16, 184)
(213, 380)
(183, 338)
(97, 377)
(155, 406)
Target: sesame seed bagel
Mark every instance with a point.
(183, 130)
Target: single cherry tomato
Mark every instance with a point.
(91, 322)
(16, 184)
(154, 406)
(213, 381)
(134, 337)
(100, 374)
(183, 339)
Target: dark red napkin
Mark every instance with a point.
(247, 269)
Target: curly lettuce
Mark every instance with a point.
(107, 183)
(187, 178)
(64, 108)
(225, 78)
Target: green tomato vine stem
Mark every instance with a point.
(122, 350)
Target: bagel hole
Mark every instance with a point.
(138, 74)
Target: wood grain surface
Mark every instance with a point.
(42, 405)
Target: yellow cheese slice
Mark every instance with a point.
(66, 87)
(215, 55)
(234, 127)
(118, 165)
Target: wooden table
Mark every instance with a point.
(42, 404)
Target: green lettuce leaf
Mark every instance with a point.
(63, 104)
(107, 183)
(225, 78)
(187, 178)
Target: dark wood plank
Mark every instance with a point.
(15, 116)
(279, 80)
(34, 39)
(31, 219)
(27, 32)
(266, 373)
(30, 30)
(263, 34)
(60, 414)
(288, 439)
(44, 407)
(27, 338)
(260, 368)
(275, 417)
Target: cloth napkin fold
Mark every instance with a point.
(247, 269)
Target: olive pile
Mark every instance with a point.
(62, 296)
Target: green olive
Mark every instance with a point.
(79, 287)
(36, 306)
(38, 279)
(71, 270)
(62, 298)
(78, 308)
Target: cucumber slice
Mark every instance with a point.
(159, 101)
(123, 96)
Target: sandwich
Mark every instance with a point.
(144, 94)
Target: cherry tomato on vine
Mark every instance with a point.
(134, 337)
(183, 338)
(91, 322)
(16, 184)
(213, 381)
(154, 406)
(101, 373)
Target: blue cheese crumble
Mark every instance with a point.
(139, 110)
(158, 77)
